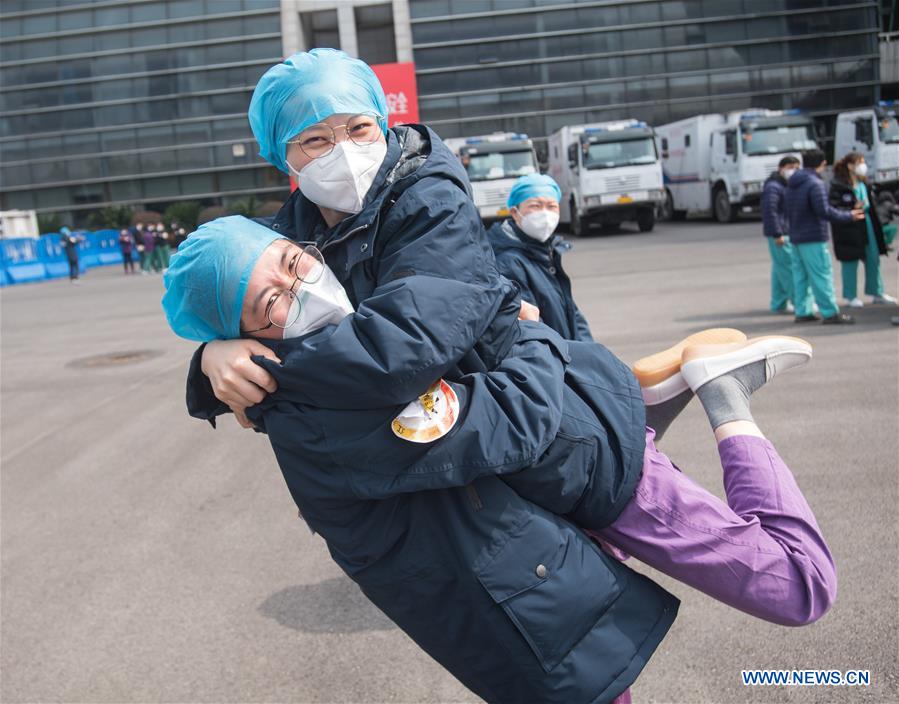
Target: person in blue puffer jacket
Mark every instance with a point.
(807, 213)
(776, 230)
(530, 253)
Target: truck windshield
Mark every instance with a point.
(889, 130)
(630, 152)
(777, 140)
(494, 165)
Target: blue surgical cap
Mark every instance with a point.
(306, 88)
(207, 277)
(533, 186)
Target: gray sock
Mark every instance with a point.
(659, 416)
(726, 398)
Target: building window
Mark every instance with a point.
(374, 33)
(320, 29)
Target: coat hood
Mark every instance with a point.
(801, 178)
(506, 236)
(777, 178)
(414, 152)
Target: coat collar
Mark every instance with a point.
(515, 237)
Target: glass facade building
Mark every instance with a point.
(141, 102)
(533, 66)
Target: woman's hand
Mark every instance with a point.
(236, 379)
(528, 311)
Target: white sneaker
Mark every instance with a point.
(659, 374)
(702, 363)
(883, 299)
(815, 308)
(789, 308)
(855, 303)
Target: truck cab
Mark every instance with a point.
(747, 150)
(608, 172)
(493, 164)
(717, 164)
(873, 133)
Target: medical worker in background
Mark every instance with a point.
(807, 214)
(776, 229)
(530, 253)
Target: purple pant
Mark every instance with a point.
(762, 552)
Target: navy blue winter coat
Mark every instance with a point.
(808, 210)
(537, 269)
(774, 210)
(511, 598)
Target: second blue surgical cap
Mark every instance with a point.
(533, 186)
(306, 88)
(207, 277)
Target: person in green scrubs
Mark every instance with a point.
(861, 240)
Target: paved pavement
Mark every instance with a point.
(148, 558)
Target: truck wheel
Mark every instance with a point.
(577, 224)
(646, 220)
(724, 211)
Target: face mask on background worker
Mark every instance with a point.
(787, 173)
(861, 169)
(539, 224)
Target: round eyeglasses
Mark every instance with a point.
(306, 266)
(318, 140)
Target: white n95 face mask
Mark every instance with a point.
(788, 173)
(340, 180)
(321, 303)
(540, 224)
(861, 169)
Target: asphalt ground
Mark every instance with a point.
(149, 558)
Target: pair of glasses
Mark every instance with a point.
(318, 140)
(306, 265)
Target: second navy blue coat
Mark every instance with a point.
(537, 269)
(513, 599)
(808, 210)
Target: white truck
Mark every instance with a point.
(18, 223)
(609, 172)
(874, 133)
(493, 163)
(717, 164)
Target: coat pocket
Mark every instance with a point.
(552, 583)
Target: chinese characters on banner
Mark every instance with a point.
(398, 82)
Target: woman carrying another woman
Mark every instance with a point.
(512, 598)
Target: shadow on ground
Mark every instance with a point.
(333, 606)
(761, 322)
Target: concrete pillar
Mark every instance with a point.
(291, 31)
(346, 28)
(402, 31)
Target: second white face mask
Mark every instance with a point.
(540, 224)
(788, 173)
(323, 303)
(861, 169)
(340, 180)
